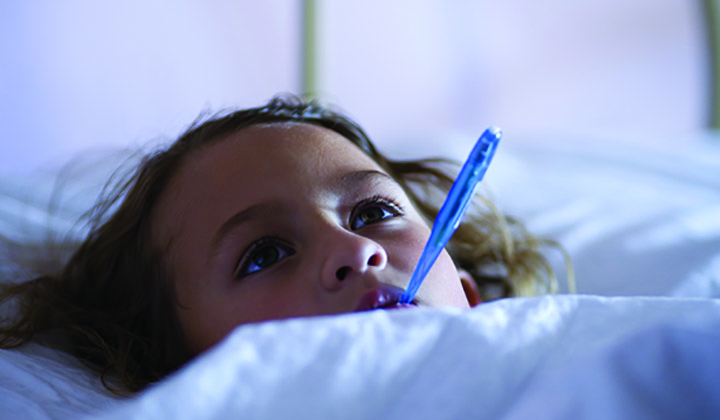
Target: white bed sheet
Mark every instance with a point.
(578, 357)
(637, 218)
(40, 383)
(575, 357)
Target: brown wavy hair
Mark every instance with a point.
(113, 304)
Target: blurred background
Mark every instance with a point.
(80, 74)
(607, 106)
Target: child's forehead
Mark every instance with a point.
(307, 144)
(270, 153)
(286, 131)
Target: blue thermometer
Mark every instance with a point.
(454, 207)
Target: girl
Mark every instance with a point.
(279, 211)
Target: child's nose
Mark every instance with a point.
(350, 255)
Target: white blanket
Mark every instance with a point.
(574, 357)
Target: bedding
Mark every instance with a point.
(575, 357)
(638, 217)
(640, 221)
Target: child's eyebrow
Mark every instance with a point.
(254, 212)
(352, 179)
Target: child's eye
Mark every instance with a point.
(373, 210)
(263, 254)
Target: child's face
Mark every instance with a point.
(289, 220)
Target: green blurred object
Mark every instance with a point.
(712, 23)
(309, 49)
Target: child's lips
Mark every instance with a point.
(401, 306)
(385, 297)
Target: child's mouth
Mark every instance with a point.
(385, 297)
(400, 306)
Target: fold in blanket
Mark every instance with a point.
(576, 357)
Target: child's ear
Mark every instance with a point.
(469, 287)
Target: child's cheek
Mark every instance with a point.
(405, 246)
